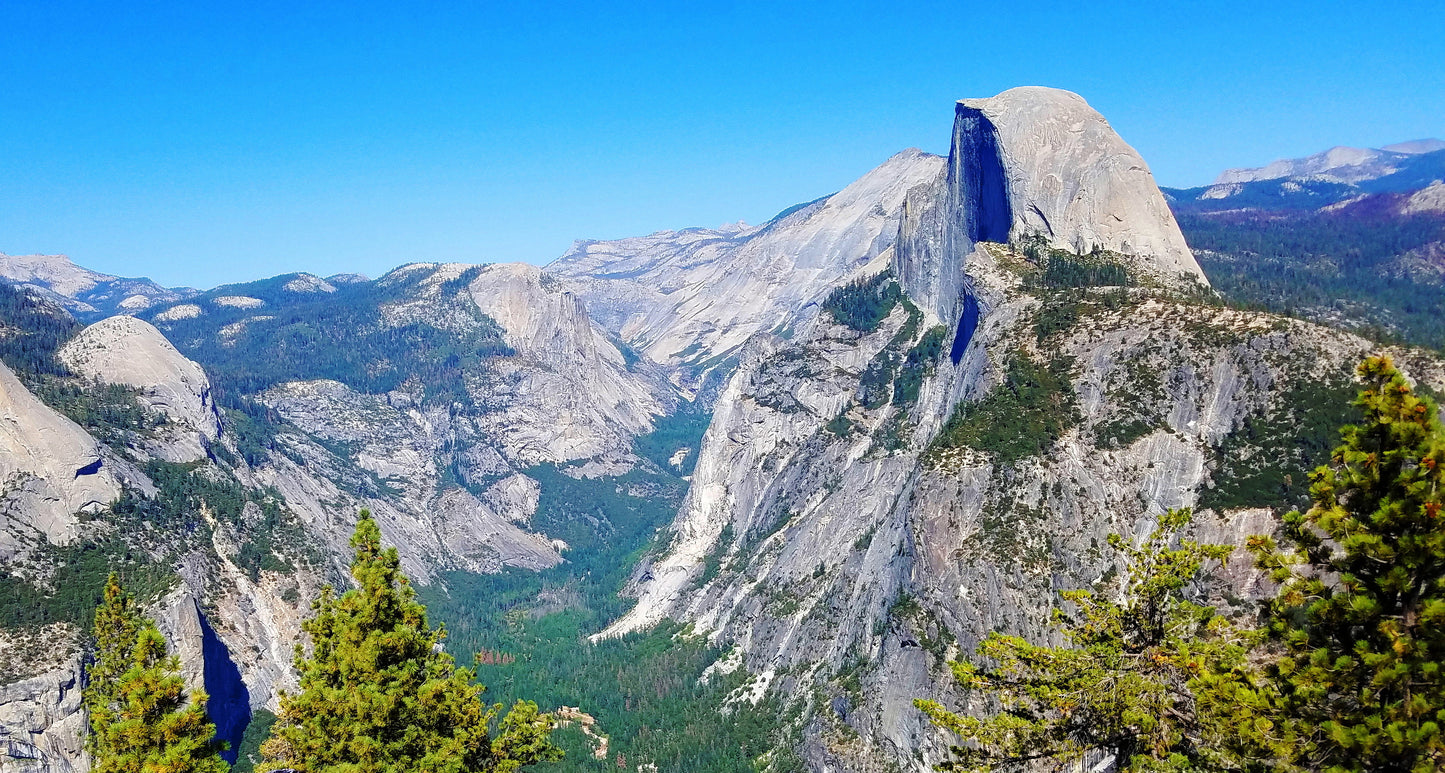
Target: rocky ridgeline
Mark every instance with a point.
(846, 529)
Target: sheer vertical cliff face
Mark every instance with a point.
(1071, 178)
(1035, 162)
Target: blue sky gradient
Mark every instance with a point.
(202, 143)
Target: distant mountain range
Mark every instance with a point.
(1325, 178)
(90, 295)
(1354, 237)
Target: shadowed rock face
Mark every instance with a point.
(978, 183)
(230, 702)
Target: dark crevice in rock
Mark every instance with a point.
(230, 701)
(89, 469)
(967, 324)
(978, 177)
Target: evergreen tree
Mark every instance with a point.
(1361, 608)
(116, 625)
(1121, 684)
(380, 695)
(140, 719)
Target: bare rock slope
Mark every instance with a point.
(50, 471)
(131, 352)
(693, 297)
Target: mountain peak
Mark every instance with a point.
(1340, 164)
(1072, 179)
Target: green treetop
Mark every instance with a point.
(1361, 608)
(140, 718)
(116, 626)
(1119, 686)
(380, 695)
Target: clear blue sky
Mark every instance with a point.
(205, 142)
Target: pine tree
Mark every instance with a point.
(116, 625)
(140, 719)
(380, 695)
(1120, 686)
(1361, 607)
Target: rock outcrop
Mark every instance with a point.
(395, 445)
(42, 723)
(131, 352)
(1035, 162)
(50, 470)
(570, 393)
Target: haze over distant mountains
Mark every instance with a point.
(1339, 164)
(1325, 178)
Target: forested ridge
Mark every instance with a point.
(1364, 267)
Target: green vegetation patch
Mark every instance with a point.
(918, 364)
(1058, 268)
(1020, 418)
(270, 536)
(642, 688)
(31, 330)
(340, 336)
(111, 413)
(680, 431)
(863, 304)
(1350, 264)
(248, 753)
(76, 582)
(1266, 460)
(645, 693)
(1136, 394)
(932, 634)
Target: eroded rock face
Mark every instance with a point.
(694, 296)
(50, 470)
(42, 723)
(569, 394)
(131, 352)
(432, 525)
(799, 537)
